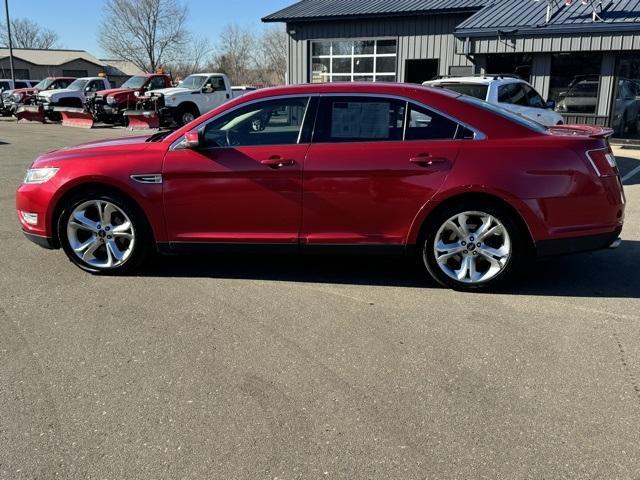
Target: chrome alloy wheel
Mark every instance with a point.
(472, 247)
(100, 234)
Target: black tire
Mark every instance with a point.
(518, 243)
(184, 112)
(143, 237)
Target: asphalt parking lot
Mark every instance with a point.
(260, 368)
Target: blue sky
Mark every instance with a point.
(77, 21)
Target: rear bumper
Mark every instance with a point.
(565, 246)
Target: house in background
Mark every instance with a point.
(584, 56)
(38, 64)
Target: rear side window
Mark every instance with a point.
(476, 90)
(359, 119)
(513, 93)
(424, 124)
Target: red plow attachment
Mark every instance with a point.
(30, 113)
(75, 117)
(142, 119)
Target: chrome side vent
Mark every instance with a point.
(147, 178)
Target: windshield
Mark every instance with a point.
(135, 82)
(193, 82)
(78, 84)
(476, 90)
(503, 112)
(44, 84)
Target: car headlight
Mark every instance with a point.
(111, 100)
(40, 175)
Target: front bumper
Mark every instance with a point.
(44, 242)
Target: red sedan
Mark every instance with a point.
(472, 190)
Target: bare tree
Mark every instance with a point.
(235, 54)
(26, 33)
(193, 60)
(148, 33)
(271, 60)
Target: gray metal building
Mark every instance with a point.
(585, 56)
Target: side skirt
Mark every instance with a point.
(172, 248)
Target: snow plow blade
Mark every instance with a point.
(142, 119)
(75, 117)
(30, 113)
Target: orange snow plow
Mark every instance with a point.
(75, 117)
(30, 113)
(142, 119)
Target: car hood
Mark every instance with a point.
(96, 148)
(115, 91)
(23, 91)
(169, 91)
(65, 92)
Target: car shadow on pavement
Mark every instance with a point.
(606, 273)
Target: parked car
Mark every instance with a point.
(109, 105)
(7, 88)
(197, 94)
(582, 97)
(74, 95)
(473, 189)
(507, 92)
(25, 95)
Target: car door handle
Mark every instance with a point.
(426, 160)
(277, 162)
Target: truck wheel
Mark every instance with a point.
(186, 114)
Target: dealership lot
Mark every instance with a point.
(302, 367)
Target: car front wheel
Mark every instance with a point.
(103, 233)
(472, 247)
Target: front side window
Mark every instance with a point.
(425, 124)
(512, 93)
(354, 61)
(359, 119)
(214, 84)
(156, 83)
(271, 122)
(533, 98)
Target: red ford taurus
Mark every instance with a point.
(472, 190)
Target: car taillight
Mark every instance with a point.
(603, 161)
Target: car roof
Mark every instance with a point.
(483, 80)
(384, 88)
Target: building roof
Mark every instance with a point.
(120, 68)
(50, 56)
(528, 17)
(309, 10)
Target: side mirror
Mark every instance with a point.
(192, 140)
(551, 104)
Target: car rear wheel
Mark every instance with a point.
(103, 233)
(472, 246)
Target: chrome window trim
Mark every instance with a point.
(477, 134)
(202, 126)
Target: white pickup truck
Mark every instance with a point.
(195, 95)
(72, 96)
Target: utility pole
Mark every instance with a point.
(6, 9)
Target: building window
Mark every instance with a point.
(625, 112)
(575, 82)
(353, 61)
(21, 73)
(75, 73)
(511, 63)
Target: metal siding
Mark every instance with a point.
(424, 37)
